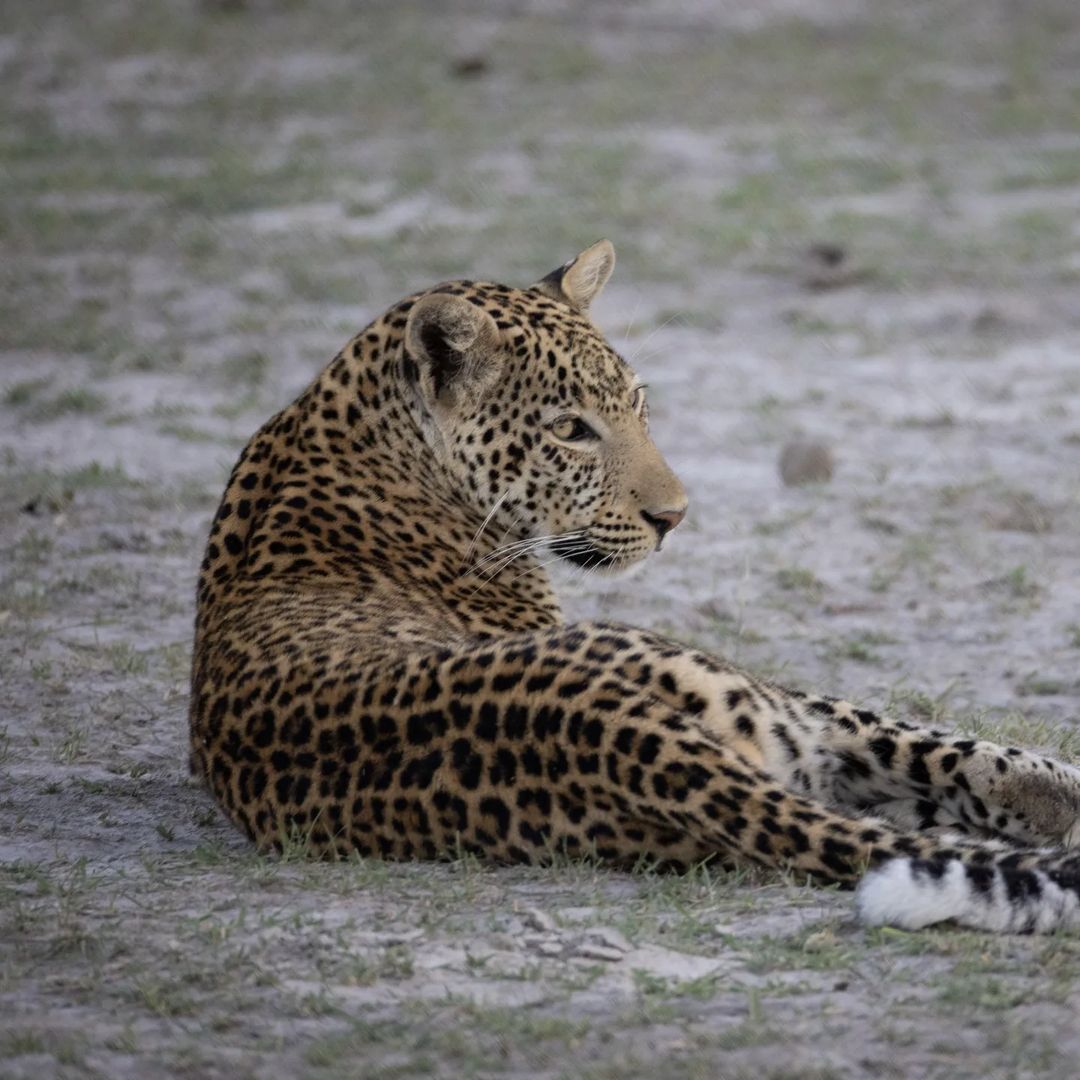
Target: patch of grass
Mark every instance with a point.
(95, 475)
(397, 962)
(1019, 583)
(918, 705)
(45, 490)
(918, 553)
(702, 988)
(188, 433)
(71, 746)
(315, 282)
(1017, 729)
(976, 991)
(125, 659)
(174, 660)
(1058, 167)
(523, 1025)
(76, 399)
(799, 579)
(234, 182)
(318, 1003)
(467, 1038)
(123, 1043)
(749, 1033)
(33, 548)
(1035, 684)
(329, 1051)
(21, 1043)
(943, 418)
(863, 647)
(816, 947)
(164, 998)
(779, 525)
(22, 393)
(247, 370)
(230, 410)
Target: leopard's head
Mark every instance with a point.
(538, 418)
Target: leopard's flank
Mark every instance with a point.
(381, 666)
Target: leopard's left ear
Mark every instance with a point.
(452, 349)
(578, 282)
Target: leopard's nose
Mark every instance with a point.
(663, 522)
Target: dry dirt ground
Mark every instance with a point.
(853, 221)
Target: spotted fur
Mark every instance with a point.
(381, 666)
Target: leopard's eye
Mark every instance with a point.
(572, 429)
(640, 404)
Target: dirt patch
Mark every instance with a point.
(835, 225)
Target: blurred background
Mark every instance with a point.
(298, 161)
(848, 235)
(839, 223)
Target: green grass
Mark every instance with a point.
(799, 579)
(73, 400)
(246, 370)
(23, 392)
(1020, 729)
(862, 647)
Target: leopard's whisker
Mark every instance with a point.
(503, 548)
(483, 525)
(578, 550)
(493, 571)
(530, 549)
(652, 333)
(532, 541)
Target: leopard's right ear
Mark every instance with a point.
(579, 281)
(454, 346)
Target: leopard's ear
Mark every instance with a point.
(578, 282)
(454, 348)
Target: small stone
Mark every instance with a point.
(588, 951)
(1022, 512)
(1005, 316)
(820, 941)
(549, 948)
(830, 266)
(806, 461)
(536, 919)
(386, 937)
(469, 67)
(609, 938)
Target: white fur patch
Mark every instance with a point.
(892, 895)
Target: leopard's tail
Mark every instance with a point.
(911, 893)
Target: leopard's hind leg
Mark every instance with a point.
(1004, 791)
(857, 761)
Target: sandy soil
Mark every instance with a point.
(202, 201)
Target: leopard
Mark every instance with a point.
(382, 668)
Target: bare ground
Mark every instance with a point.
(202, 201)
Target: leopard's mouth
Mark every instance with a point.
(584, 553)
